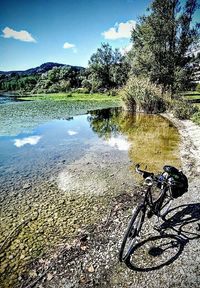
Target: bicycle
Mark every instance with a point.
(159, 207)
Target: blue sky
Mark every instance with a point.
(63, 31)
(49, 24)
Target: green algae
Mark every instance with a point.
(24, 116)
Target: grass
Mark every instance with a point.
(190, 95)
(70, 97)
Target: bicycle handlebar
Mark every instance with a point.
(151, 177)
(145, 174)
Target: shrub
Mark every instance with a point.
(182, 109)
(81, 90)
(196, 117)
(198, 88)
(113, 92)
(140, 94)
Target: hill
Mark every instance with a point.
(38, 70)
(47, 78)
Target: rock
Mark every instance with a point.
(49, 276)
(83, 248)
(33, 273)
(82, 279)
(26, 186)
(91, 269)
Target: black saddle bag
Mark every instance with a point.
(180, 181)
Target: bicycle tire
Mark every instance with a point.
(138, 219)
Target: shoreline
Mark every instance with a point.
(91, 259)
(94, 253)
(189, 146)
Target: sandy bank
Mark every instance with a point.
(190, 145)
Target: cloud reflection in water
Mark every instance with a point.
(71, 132)
(32, 140)
(119, 142)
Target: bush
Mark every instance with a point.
(196, 117)
(81, 90)
(198, 88)
(141, 95)
(182, 109)
(113, 92)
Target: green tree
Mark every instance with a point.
(107, 68)
(162, 41)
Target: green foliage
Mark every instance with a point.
(58, 79)
(81, 90)
(198, 87)
(140, 94)
(107, 69)
(161, 42)
(113, 92)
(182, 109)
(15, 82)
(196, 117)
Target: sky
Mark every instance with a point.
(64, 31)
(33, 32)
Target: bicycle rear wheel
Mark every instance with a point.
(132, 232)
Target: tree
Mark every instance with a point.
(107, 68)
(162, 42)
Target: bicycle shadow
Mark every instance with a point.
(158, 251)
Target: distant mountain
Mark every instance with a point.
(40, 69)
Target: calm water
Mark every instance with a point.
(7, 98)
(53, 165)
(147, 139)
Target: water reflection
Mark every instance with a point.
(153, 140)
(31, 140)
(71, 132)
(104, 122)
(119, 142)
(148, 139)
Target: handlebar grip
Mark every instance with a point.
(145, 174)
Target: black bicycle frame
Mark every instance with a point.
(155, 205)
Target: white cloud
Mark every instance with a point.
(68, 45)
(126, 49)
(32, 140)
(71, 132)
(120, 30)
(118, 143)
(18, 35)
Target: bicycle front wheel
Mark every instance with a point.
(165, 205)
(132, 232)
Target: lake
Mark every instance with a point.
(57, 159)
(147, 139)
(7, 98)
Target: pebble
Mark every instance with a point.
(26, 186)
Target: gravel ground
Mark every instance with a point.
(168, 260)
